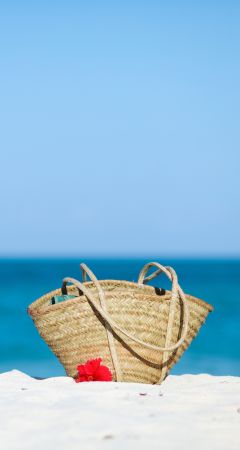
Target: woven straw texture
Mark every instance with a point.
(76, 332)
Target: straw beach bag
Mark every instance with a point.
(139, 331)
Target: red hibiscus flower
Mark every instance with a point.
(93, 371)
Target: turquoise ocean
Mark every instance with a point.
(216, 350)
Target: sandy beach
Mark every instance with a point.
(187, 411)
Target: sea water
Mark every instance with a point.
(216, 349)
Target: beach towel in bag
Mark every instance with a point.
(138, 331)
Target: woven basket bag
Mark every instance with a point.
(139, 331)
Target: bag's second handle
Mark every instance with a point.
(176, 292)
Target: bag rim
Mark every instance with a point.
(35, 310)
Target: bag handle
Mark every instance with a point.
(86, 271)
(106, 316)
(176, 292)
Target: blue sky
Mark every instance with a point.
(119, 128)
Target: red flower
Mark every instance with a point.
(93, 371)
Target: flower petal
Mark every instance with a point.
(92, 366)
(103, 374)
(81, 369)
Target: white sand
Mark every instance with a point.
(185, 412)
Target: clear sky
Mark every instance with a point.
(120, 128)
